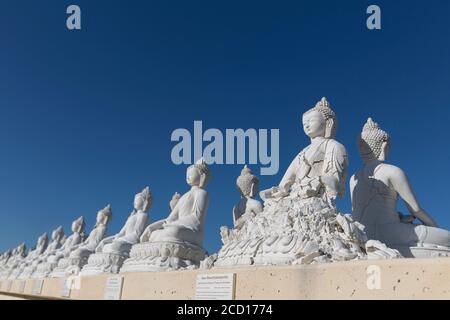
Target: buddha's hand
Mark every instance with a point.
(145, 235)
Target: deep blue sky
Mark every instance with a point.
(86, 116)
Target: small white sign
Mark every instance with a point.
(113, 289)
(21, 288)
(37, 286)
(215, 286)
(66, 288)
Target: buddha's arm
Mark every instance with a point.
(141, 224)
(173, 216)
(401, 184)
(335, 168)
(289, 176)
(200, 205)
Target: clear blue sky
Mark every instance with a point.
(86, 116)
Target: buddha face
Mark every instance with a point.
(193, 176)
(314, 124)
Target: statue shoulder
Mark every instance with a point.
(336, 146)
(393, 172)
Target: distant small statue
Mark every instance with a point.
(70, 243)
(79, 255)
(248, 206)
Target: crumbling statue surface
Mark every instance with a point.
(375, 190)
(177, 241)
(300, 223)
(112, 251)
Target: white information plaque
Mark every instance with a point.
(215, 286)
(37, 286)
(113, 289)
(66, 288)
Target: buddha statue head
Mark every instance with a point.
(21, 249)
(173, 202)
(78, 225)
(58, 234)
(373, 142)
(320, 121)
(247, 183)
(143, 200)
(198, 174)
(104, 216)
(42, 240)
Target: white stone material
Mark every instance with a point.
(300, 223)
(25, 263)
(375, 190)
(78, 257)
(113, 251)
(70, 243)
(54, 245)
(12, 261)
(176, 242)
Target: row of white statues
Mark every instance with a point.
(298, 223)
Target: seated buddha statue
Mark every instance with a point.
(133, 228)
(177, 241)
(321, 167)
(248, 206)
(74, 239)
(55, 244)
(12, 265)
(77, 236)
(97, 234)
(186, 221)
(73, 261)
(112, 251)
(375, 190)
(41, 246)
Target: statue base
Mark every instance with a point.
(69, 266)
(429, 252)
(404, 279)
(101, 262)
(26, 273)
(163, 256)
(294, 230)
(43, 270)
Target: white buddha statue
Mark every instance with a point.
(113, 250)
(321, 167)
(77, 236)
(54, 245)
(248, 186)
(41, 246)
(133, 228)
(177, 241)
(300, 223)
(247, 207)
(12, 265)
(80, 253)
(375, 190)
